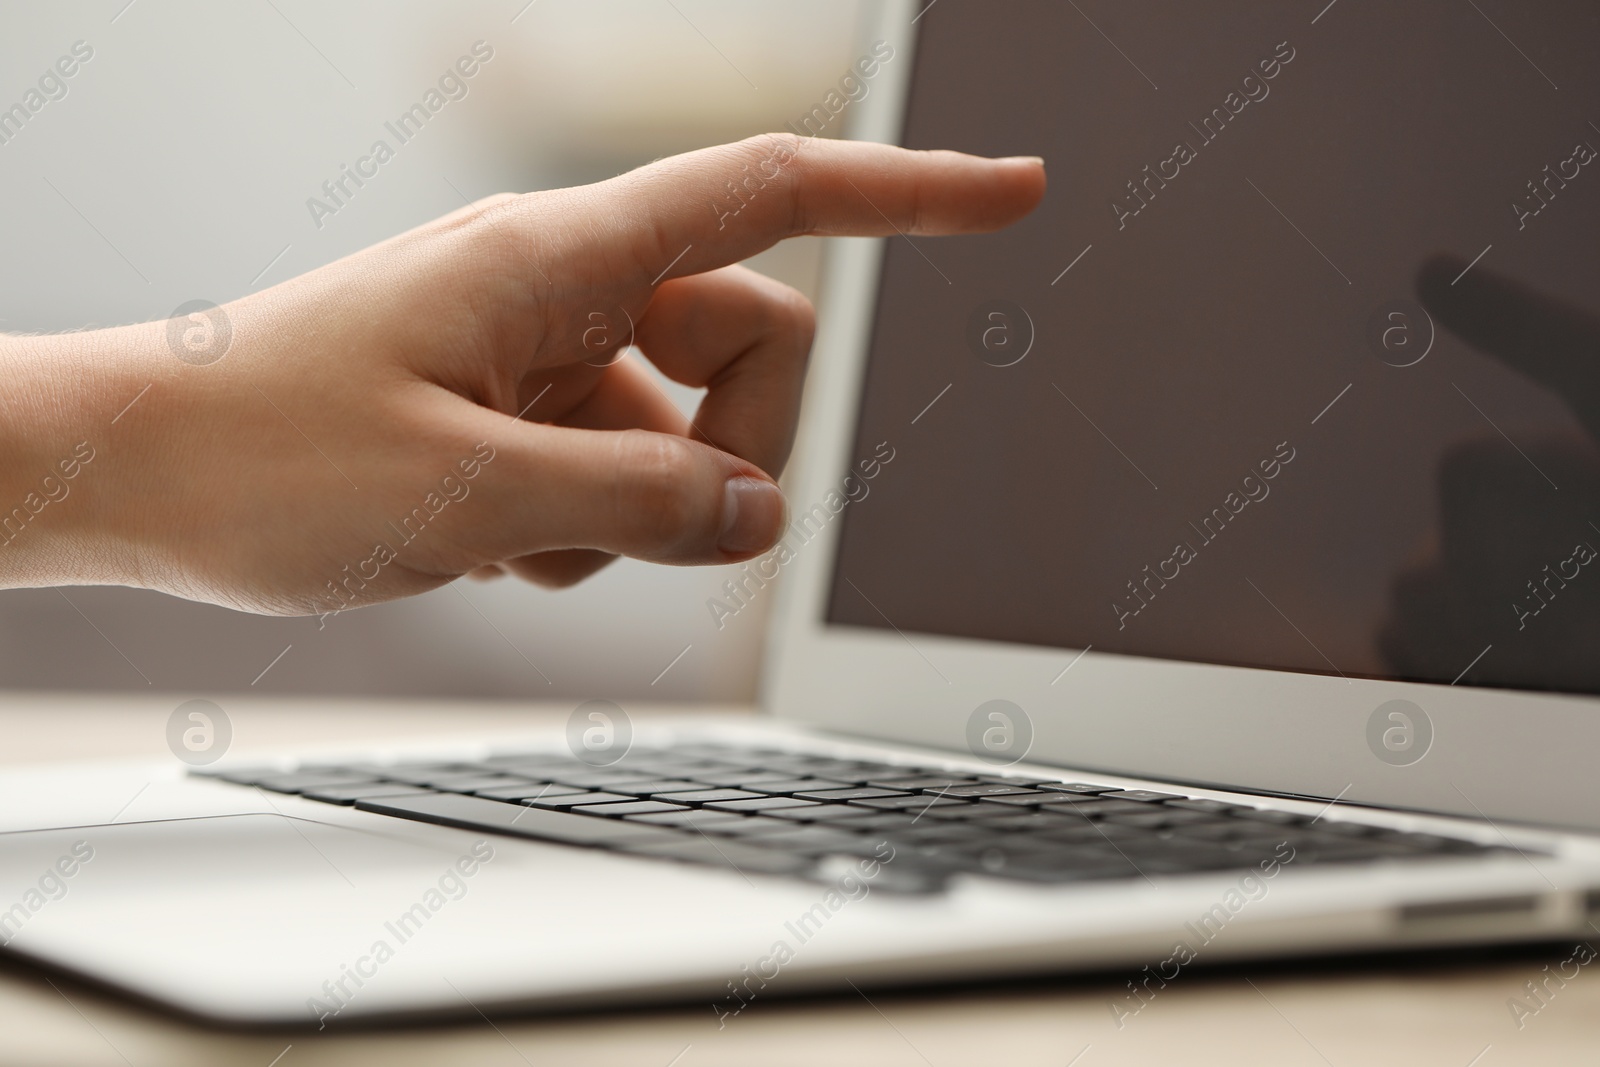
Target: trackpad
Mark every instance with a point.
(225, 907)
(222, 853)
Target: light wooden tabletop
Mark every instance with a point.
(1453, 1010)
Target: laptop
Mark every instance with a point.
(1199, 570)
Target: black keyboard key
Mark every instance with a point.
(294, 782)
(964, 812)
(1079, 803)
(538, 769)
(1169, 856)
(362, 767)
(1217, 807)
(1063, 867)
(731, 854)
(815, 840)
(743, 777)
(859, 792)
(1427, 842)
(803, 765)
(552, 803)
(475, 813)
(694, 819)
(1334, 848)
(236, 775)
(618, 810)
(598, 778)
(652, 786)
(866, 820)
(979, 856)
(706, 796)
(927, 783)
(1081, 788)
(1283, 818)
(529, 791)
(422, 773)
(1349, 829)
(1130, 840)
(747, 828)
(791, 786)
(1070, 833)
(471, 783)
(654, 769)
(1096, 808)
(986, 789)
(1086, 800)
(945, 833)
(765, 804)
(1028, 821)
(1148, 796)
(1016, 779)
(817, 814)
(1035, 798)
(912, 804)
(1223, 829)
(1160, 818)
(349, 794)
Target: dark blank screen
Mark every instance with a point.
(1320, 390)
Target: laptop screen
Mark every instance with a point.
(1297, 367)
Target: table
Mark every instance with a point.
(1444, 1008)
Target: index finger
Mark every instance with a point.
(706, 209)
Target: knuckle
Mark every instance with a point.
(802, 317)
(495, 200)
(791, 316)
(495, 217)
(774, 157)
(478, 215)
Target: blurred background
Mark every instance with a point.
(178, 165)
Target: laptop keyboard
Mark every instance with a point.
(779, 812)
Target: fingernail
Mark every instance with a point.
(1037, 161)
(752, 515)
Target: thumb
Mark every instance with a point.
(652, 496)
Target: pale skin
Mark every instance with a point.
(350, 392)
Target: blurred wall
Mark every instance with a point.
(177, 166)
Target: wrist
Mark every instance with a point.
(63, 500)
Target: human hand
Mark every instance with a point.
(1512, 568)
(360, 440)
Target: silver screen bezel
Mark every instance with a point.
(1495, 753)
